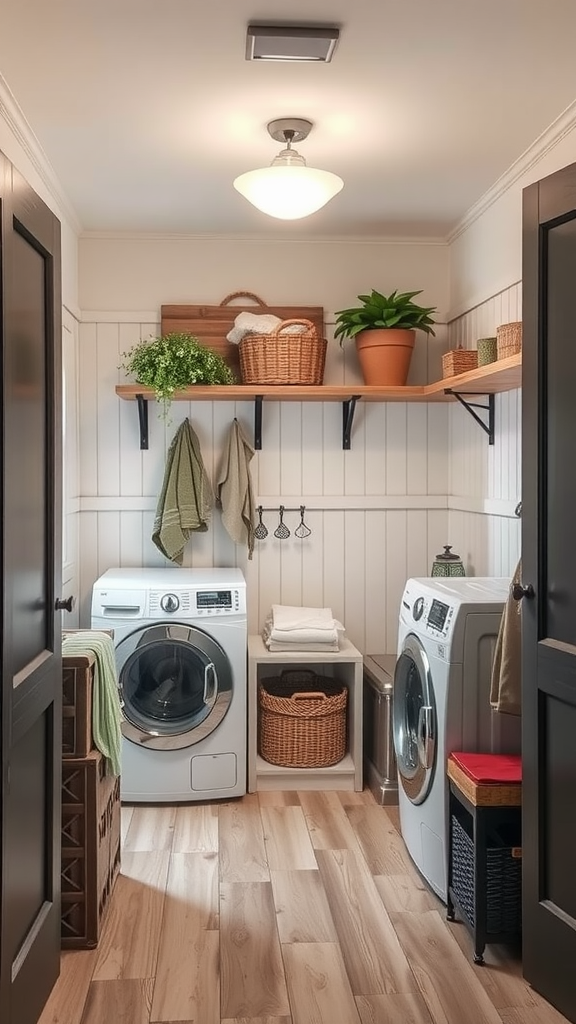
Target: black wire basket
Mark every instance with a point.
(503, 878)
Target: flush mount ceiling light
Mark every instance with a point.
(288, 189)
(287, 42)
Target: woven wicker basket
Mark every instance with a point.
(302, 720)
(459, 360)
(509, 339)
(279, 358)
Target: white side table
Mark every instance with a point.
(344, 666)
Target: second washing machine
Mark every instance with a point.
(180, 637)
(446, 640)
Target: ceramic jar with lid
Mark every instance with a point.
(447, 563)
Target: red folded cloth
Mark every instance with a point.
(490, 768)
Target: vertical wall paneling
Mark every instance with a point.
(333, 535)
(131, 537)
(131, 458)
(396, 448)
(291, 444)
(334, 458)
(376, 447)
(417, 448)
(355, 578)
(88, 411)
(437, 448)
(396, 573)
(313, 553)
(108, 423)
(88, 563)
(489, 542)
(313, 445)
(375, 595)
(372, 523)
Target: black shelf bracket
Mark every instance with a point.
(488, 427)
(143, 420)
(348, 410)
(258, 422)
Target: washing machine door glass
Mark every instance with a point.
(415, 727)
(175, 685)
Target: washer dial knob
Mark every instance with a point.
(418, 608)
(169, 603)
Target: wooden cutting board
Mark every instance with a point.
(211, 324)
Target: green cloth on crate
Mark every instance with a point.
(106, 712)
(186, 499)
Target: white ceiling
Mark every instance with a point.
(147, 109)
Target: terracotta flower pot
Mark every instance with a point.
(385, 354)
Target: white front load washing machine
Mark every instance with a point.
(446, 639)
(180, 637)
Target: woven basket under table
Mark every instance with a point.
(509, 339)
(279, 358)
(302, 720)
(459, 360)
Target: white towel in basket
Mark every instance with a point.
(258, 323)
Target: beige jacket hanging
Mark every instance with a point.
(506, 684)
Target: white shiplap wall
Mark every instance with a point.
(378, 513)
(485, 480)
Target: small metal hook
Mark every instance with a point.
(518, 510)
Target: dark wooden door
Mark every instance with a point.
(30, 638)
(549, 565)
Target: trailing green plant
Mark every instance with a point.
(175, 361)
(381, 311)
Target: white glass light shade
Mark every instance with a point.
(288, 189)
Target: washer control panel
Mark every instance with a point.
(435, 617)
(201, 603)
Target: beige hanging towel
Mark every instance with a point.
(234, 488)
(506, 685)
(186, 499)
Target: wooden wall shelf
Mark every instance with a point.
(495, 378)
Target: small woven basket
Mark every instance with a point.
(487, 351)
(278, 358)
(459, 360)
(509, 339)
(302, 720)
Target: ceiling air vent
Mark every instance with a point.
(285, 42)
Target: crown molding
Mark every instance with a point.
(562, 126)
(164, 236)
(12, 114)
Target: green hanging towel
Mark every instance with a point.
(106, 713)
(186, 499)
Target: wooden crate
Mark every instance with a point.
(90, 848)
(77, 686)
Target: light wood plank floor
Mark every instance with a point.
(282, 908)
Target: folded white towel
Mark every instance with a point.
(272, 645)
(287, 616)
(258, 323)
(304, 636)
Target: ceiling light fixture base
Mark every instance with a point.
(294, 128)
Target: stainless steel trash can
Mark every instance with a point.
(379, 760)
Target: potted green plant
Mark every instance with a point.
(172, 362)
(384, 328)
